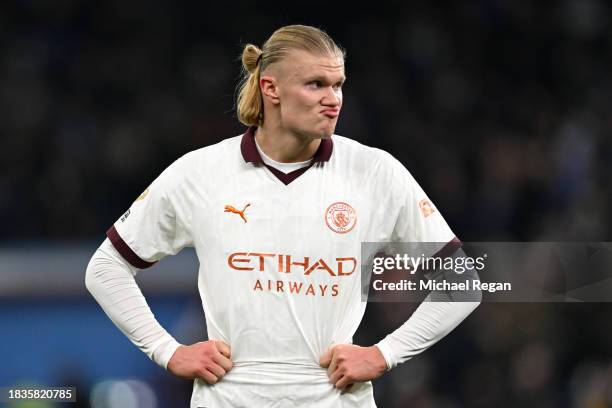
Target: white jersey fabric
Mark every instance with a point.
(279, 257)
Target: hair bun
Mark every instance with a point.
(250, 57)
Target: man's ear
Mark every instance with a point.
(269, 89)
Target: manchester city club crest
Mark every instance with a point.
(340, 217)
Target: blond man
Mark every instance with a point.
(277, 217)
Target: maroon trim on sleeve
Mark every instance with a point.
(450, 248)
(125, 251)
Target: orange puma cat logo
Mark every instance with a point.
(230, 209)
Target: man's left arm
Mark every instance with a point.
(435, 317)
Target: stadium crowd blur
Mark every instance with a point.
(500, 109)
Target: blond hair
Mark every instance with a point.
(249, 106)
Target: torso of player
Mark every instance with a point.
(280, 264)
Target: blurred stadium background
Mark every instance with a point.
(501, 110)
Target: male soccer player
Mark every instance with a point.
(277, 216)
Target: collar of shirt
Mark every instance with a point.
(251, 155)
(284, 167)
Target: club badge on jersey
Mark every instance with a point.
(340, 217)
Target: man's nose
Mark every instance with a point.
(332, 98)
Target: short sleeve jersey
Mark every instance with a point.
(279, 253)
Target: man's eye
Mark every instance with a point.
(315, 84)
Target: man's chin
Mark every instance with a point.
(318, 134)
(326, 133)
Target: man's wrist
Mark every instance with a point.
(387, 354)
(164, 352)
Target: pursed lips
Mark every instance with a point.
(331, 113)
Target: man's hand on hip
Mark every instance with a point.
(209, 360)
(348, 363)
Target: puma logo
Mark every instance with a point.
(231, 209)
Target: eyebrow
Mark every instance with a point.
(323, 78)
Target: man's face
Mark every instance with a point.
(310, 93)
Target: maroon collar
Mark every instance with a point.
(251, 155)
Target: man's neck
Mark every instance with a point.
(285, 147)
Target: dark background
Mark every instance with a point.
(500, 109)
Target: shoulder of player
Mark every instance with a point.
(365, 154)
(196, 166)
(378, 165)
(212, 154)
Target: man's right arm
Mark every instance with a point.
(110, 279)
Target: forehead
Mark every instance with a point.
(302, 64)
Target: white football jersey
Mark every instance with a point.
(279, 257)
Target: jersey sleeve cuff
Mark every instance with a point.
(164, 352)
(450, 248)
(124, 249)
(387, 353)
